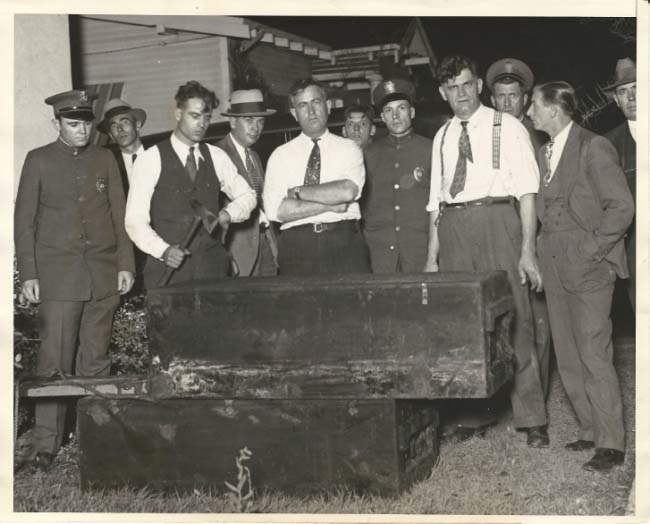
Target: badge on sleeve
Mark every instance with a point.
(418, 173)
(102, 184)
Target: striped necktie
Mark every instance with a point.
(464, 154)
(312, 173)
(549, 154)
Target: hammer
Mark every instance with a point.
(201, 215)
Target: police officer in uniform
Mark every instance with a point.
(396, 225)
(73, 254)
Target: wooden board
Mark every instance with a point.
(381, 446)
(429, 335)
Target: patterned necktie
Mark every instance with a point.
(256, 177)
(312, 174)
(133, 157)
(464, 154)
(190, 165)
(549, 154)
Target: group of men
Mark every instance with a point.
(469, 200)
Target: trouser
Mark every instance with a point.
(62, 324)
(265, 265)
(579, 294)
(488, 238)
(337, 248)
(630, 251)
(542, 337)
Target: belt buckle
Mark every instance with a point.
(319, 228)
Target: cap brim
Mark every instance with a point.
(85, 115)
(392, 97)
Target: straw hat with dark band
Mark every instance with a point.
(247, 102)
(115, 107)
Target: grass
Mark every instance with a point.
(495, 475)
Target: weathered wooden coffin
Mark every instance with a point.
(299, 446)
(347, 336)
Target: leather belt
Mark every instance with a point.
(487, 201)
(329, 226)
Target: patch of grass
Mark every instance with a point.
(495, 475)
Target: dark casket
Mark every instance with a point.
(428, 335)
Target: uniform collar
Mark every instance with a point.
(69, 150)
(398, 140)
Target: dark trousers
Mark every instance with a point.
(341, 249)
(488, 238)
(62, 325)
(579, 293)
(265, 265)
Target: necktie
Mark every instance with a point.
(256, 177)
(312, 174)
(133, 157)
(190, 165)
(549, 154)
(464, 154)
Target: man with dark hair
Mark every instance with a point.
(312, 186)
(623, 91)
(395, 221)
(510, 80)
(482, 162)
(252, 243)
(359, 124)
(167, 178)
(73, 255)
(123, 123)
(585, 207)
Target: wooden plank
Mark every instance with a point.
(361, 336)
(127, 386)
(381, 446)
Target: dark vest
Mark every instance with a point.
(172, 217)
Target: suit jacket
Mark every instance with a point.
(598, 197)
(69, 222)
(626, 147)
(537, 138)
(243, 239)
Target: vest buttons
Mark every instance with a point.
(397, 228)
(392, 248)
(396, 186)
(396, 165)
(397, 207)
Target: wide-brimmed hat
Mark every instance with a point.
(509, 68)
(391, 90)
(247, 102)
(625, 74)
(117, 106)
(76, 104)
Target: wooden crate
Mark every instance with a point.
(298, 446)
(428, 335)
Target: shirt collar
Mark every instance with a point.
(561, 138)
(138, 152)
(475, 118)
(321, 138)
(632, 125)
(182, 149)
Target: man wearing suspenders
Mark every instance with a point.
(482, 162)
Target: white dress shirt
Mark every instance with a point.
(340, 159)
(559, 141)
(517, 175)
(128, 161)
(146, 172)
(241, 151)
(632, 125)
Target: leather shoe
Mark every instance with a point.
(580, 445)
(604, 460)
(43, 461)
(537, 437)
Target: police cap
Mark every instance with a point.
(508, 69)
(76, 104)
(391, 90)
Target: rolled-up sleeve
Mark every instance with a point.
(243, 197)
(522, 166)
(354, 169)
(137, 219)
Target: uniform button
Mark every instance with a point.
(396, 165)
(392, 248)
(396, 186)
(81, 237)
(82, 198)
(397, 228)
(397, 208)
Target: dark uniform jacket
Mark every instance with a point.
(69, 222)
(598, 197)
(393, 210)
(243, 239)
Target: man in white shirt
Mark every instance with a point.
(252, 243)
(167, 177)
(585, 207)
(123, 123)
(312, 186)
(482, 161)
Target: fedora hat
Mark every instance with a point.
(509, 69)
(117, 106)
(625, 74)
(247, 102)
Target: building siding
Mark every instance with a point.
(279, 67)
(152, 66)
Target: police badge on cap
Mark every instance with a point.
(76, 104)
